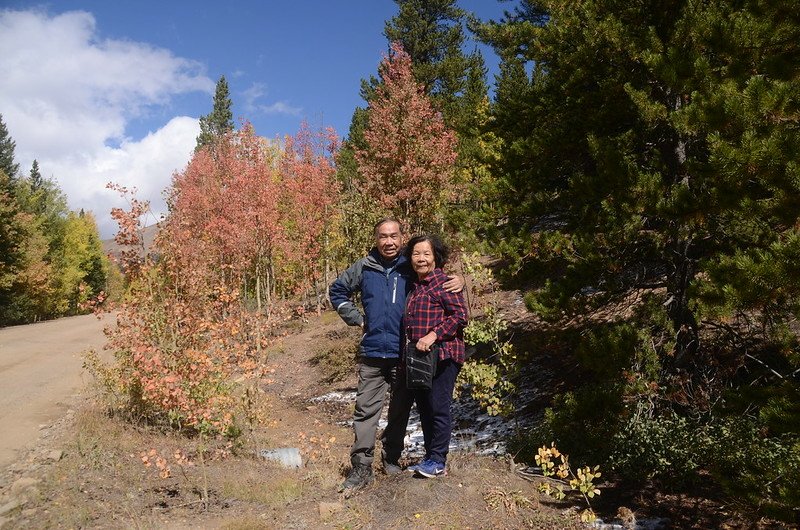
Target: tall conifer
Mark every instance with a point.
(220, 120)
(652, 151)
(7, 163)
(35, 176)
(432, 33)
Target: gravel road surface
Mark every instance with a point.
(41, 376)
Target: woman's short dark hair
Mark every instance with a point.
(440, 251)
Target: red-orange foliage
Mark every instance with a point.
(410, 153)
(310, 191)
(129, 237)
(224, 208)
(238, 212)
(179, 335)
(254, 213)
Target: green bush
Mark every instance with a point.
(488, 375)
(669, 448)
(582, 423)
(761, 471)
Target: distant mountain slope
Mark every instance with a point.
(110, 247)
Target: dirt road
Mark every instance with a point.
(41, 376)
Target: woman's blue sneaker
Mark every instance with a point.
(431, 468)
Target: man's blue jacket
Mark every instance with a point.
(383, 289)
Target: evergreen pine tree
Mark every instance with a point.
(35, 176)
(7, 164)
(432, 33)
(472, 204)
(24, 270)
(627, 137)
(652, 151)
(11, 237)
(220, 120)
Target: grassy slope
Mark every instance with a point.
(101, 480)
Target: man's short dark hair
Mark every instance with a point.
(385, 220)
(440, 251)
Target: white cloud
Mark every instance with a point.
(280, 107)
(251, 94)
(258, 90)
(147, 165)
(66, 97)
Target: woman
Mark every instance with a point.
(434, 316)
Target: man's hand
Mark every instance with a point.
(454, 284)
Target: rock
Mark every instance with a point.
(55, 455)
(11, 505)
(627, 517)
(24, 485)
(286, 456)
(327, 509)
(598, 523)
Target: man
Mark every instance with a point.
(383, 278)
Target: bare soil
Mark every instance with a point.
(87, 468)
(41, 378)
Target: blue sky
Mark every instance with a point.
(101, 91)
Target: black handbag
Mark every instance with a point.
(420, 366)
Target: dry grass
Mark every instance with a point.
(79, 490)
(325, 476)
(328, 318)
(246, 523)
(284, 491)
(336, 360)
(249, 485)
(511, 500)
(102, 481)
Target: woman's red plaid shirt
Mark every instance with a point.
(430, 308)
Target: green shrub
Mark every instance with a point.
(669, 448)
(582, 423)
(761, 471)
(488, 376)
(621, 369)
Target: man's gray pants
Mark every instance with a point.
(375, 377)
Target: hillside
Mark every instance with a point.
(149, 233)
(109, 474)
(94, 470)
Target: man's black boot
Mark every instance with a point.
(391, 466)
(360, 476)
